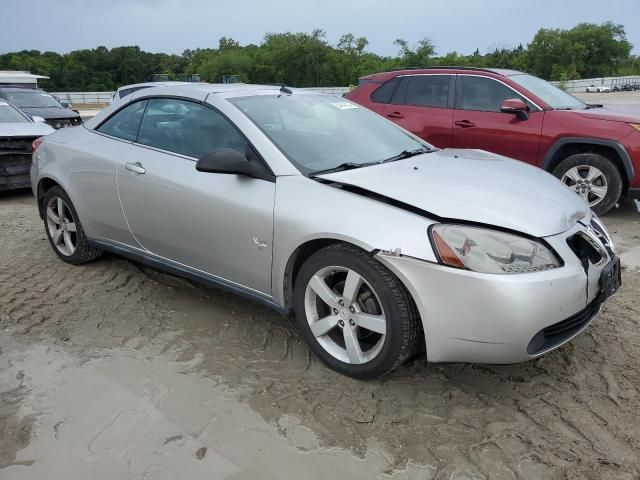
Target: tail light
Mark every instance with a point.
(36, 143)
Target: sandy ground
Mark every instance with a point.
(114, 370)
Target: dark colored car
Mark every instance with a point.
(593, 149)
(38, 103)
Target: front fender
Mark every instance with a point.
(549, 160)
(306, 210)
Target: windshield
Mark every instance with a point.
(31, 99)
(553, 96)
(8, 114)
(321, 132)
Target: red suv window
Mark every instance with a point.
(484, 94)
(384, 93)
(428, 90)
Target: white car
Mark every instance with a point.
(599, 89)
(378, 243)
(127, 90)
(17, 133)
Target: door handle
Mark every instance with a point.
(395, 115)
(464, 123)
(135, 168)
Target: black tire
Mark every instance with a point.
(403, 329)
(606, 166)
(83, 251)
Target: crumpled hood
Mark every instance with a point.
(49, 112)
(615, 113)
(25, 129)
(475, 186)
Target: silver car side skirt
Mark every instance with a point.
(184, 271)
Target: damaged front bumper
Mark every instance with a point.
(15, 162)
(502, 319)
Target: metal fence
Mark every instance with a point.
(98, 98)
(581, 85)
(101, 98)
(338, 91)
(86, 98)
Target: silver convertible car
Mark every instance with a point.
(380, 244)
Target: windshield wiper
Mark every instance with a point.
(407, 154)
(342, 167)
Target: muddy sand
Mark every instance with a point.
(114, 370)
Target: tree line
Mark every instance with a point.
(308, 59)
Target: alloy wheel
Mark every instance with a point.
(588, 182)
(345, 315)
(61, 226)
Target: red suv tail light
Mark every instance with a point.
(36, 143)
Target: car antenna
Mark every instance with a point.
(285, 89)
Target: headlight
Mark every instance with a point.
(490, 251)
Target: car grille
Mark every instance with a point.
(587, 249)
(59, 123)
(16, 144)
(602, 235)
(15, 162)
(592, 245)
(558, 333)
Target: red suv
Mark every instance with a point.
(594, 150)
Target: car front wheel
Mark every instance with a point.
(354, 313)
(594, 177)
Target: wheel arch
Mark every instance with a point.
(614, 151)
(303, 252)
(44, 185)
(295, 261)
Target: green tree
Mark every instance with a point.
(589, 50)
(308, 59)
(418, 56)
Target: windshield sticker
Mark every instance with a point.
(344, 105)
(45, 95)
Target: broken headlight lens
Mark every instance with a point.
(490, 251)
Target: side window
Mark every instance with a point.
(129, 91)
(384, 92)
(126, 123)
(428, 90)
(399, 94)
(126, 91)
(187, 128)
(483, 94)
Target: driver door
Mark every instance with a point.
(479, 123)
(220, 224)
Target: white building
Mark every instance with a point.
(21, 78)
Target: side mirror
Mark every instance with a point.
(230, 161)
(65, 103)
(38, 119)
(516, 107)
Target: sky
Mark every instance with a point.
(172, 26)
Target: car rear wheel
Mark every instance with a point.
(594, 177)
(354, 313)
(64, 229)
